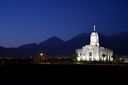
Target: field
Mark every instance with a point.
(64, 73)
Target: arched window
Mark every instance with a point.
(90, 54)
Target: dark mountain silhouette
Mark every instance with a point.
(119, 43)
(54, 46)
(76, 42)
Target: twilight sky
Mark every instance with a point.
(32, 21)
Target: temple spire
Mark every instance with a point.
(94, 29)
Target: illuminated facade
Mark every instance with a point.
(94, 52)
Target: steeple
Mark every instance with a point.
(94, 38)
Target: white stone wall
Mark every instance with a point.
(94, 53)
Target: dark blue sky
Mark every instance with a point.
(29, 21)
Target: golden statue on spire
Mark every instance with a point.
(94, 28)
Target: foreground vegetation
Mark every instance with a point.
(70, 60)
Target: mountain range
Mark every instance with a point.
(55, 46)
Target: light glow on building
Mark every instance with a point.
(94, 52)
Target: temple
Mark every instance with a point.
(94, 52)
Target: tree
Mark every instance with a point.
(116, 59)
(73, 57)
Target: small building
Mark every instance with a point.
(94, 52)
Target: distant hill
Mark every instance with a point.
(54, 46)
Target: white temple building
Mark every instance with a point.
(94, 52)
